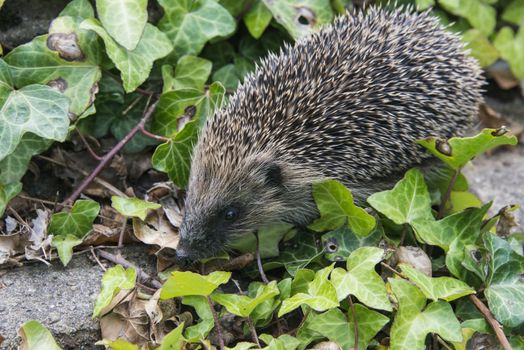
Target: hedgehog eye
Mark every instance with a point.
(230, 214)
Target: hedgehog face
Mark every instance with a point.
(219, 209)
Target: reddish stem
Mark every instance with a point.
(105, 159)
(492, 321)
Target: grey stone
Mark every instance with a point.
(60, 298)
(499, 177)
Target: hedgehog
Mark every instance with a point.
(345, 103)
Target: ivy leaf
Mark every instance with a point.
(135, 65)
(511, 48)
(269, 239)
(36, 336)
(407, 201)
(228, 75)
(191, 72)
(64, 245)
(463, 149)
(77, 222)
(8, 192)
(505, 286)
(361, 279)
(174, 157)
(257, 19)
(196, 332)
(174, 339)
(68, 59)
(78, 8)
(479, 14)
(38, 109)
(283, 342)
(243, 346)
(514, 13)
(189, 25)
(124, 20)
(133, 207)
(334, 325)
(481, 48)
(183, 283)
(14, 166)
(413, 322)
(321, 294)
(301, 20)
(339, 244)
(114, 280)
(335, 203)
(446, 288)
(119, 344)
(242, 305)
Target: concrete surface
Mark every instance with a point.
(60, 298)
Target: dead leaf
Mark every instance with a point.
(415, 257)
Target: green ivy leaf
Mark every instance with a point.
(257, 19)
(321, 295)
(479, 14)
(301, 20)
(511, 48)
(173, 340)
(361, 279)
(283, 342)
(38, 109)
(36, 336)
(124, 20)
(191, 72)
(514, 13)
(133, 207)
(406, 202)
(174, 157)
(335, 203)
(189, 25)
(446, 288)
(8, 192)
(14, 166)
(196, 332)
(269, 239)
(64, 245)
(464, 149)
(242, 305)
(413, 322)
(77, 74)
(77, 222)
(78, 8)
(505, 286)
(114, 280)
(184, 283)
(335, 326)
(229, 76)
(339, 244)
(481, 48)
(134, 65)
(424, 4)
(242, 346)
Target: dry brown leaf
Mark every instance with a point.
(415, 257)
(156, 230)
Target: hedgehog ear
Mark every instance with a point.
(274, 175)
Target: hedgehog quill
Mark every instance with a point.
(346, 103)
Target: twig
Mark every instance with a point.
(391, 269)
(117, 259)
(445, 199)
(98, 180)
(88, 146)
(259, 260)
(132, 104)
(443, 343)
(122, 233)
(217, 324)
(492, 321)
(96, 258)
(111, 154)
(355, 324)
(254, 335)
(153, 136)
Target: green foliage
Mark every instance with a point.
(133, 207)
(183, 283)
(36, 336)
(114, 280)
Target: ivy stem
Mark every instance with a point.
(492, 321)
(253, 331)
(87, 145)
(217, 323)
(259, 261)
(153, 136)
(355, 324)
(105, 159)
(445, 199)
